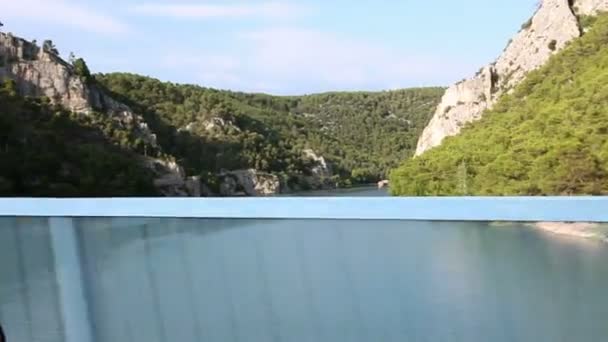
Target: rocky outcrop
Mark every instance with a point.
(212, 124)
(171, 179)
(194, 187)
(40, 72)
(321, 171)
(383, 184)
(252, 182)
(553, 25)
(217, 123)
(589, 7)
(321, 168)
(249, 183)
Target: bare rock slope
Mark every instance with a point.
(39, 72)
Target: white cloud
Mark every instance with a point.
(61, 12)
(293, 61)
(270, 9)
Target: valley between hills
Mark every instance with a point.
(534, 122)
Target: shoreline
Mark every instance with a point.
(336, 192)
(585, 230)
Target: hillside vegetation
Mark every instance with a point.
(371, 132)
(361, 135)
(548, 137)
(47, 151)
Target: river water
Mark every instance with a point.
(196, 280)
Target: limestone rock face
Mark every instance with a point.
(228, 186)
(553, 25)
(321, 171)
(322, 168)
(461, 103)
(252, 182)
(249, 182)
(590, 7)
(193, 186)
(170, 178)
(39, 72)
(217, 123)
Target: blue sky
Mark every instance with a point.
(279, 47)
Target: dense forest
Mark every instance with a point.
(361, 135)
(372, 132)
(548, 137)
(48, 151)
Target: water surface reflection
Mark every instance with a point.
(309, 280)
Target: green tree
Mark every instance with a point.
(81, 69)
(50, 47)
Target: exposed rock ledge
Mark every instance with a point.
(253, 182)
(585, 230)
(39, 72)
(249, 183)
(550, 29)
(171, 180)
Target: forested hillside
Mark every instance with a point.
(548, 137)
(371, 132)
(361, 135)
(126, 135)
(48, 151)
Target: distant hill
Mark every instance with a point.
(548, 137)
(361, 135)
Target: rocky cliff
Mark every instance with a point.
(249, 183)
(321, 172)
(40, 72)
(555, 23)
